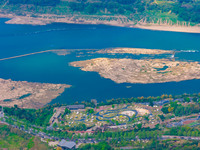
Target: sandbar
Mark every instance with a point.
(136, 51)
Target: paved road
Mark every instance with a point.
(180, 137)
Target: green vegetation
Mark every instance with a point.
(90, 111)
(12, 138)
(122, 138)
(150, 99)
(99, 146)
(183, 131)
(162, 117)
(38, 117)
(67, 111)
(143, 131)
(30, 143)
(128, 139)
(79, 127)
(180, 110)
(170, 144)
(148, 11)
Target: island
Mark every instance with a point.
(28, 94)
(141, 71)
(136, 51)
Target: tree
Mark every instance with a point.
(199, 144)
(188, 133)
(148, 134)
(170, 109)
(187, 99)
(165, 110)
(117, 123)
(121, 11)
(91, 9)
(185, 133)
(86, 136)
(98, 146)
(55, 125)
(194, 99)
(162, 117)
(179, 133)
(67, 111)
(139, 126)
(146, 117)
(90, 111)
(193, 133)
(196, 133)
(151, 103)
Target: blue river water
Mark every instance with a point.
(52, 68)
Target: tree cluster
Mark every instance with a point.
(99, 146)
(180, 110)
(183, 131)
(39, 117)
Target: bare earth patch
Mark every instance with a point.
(128, 112)
(28, 94)
(142, 111)
(141, 71)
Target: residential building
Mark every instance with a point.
(65, 145)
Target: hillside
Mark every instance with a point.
(14, 139)
(171, 12)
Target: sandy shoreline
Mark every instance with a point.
(48, 19)
(174, 28)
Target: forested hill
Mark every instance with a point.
(150, 10)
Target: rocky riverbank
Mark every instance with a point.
(28, 94)
(141, 71)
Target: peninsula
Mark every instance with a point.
(141, 71)
(28, 94)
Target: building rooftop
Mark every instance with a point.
(67, 144)
(75, 106)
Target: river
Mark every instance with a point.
(52, 68)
